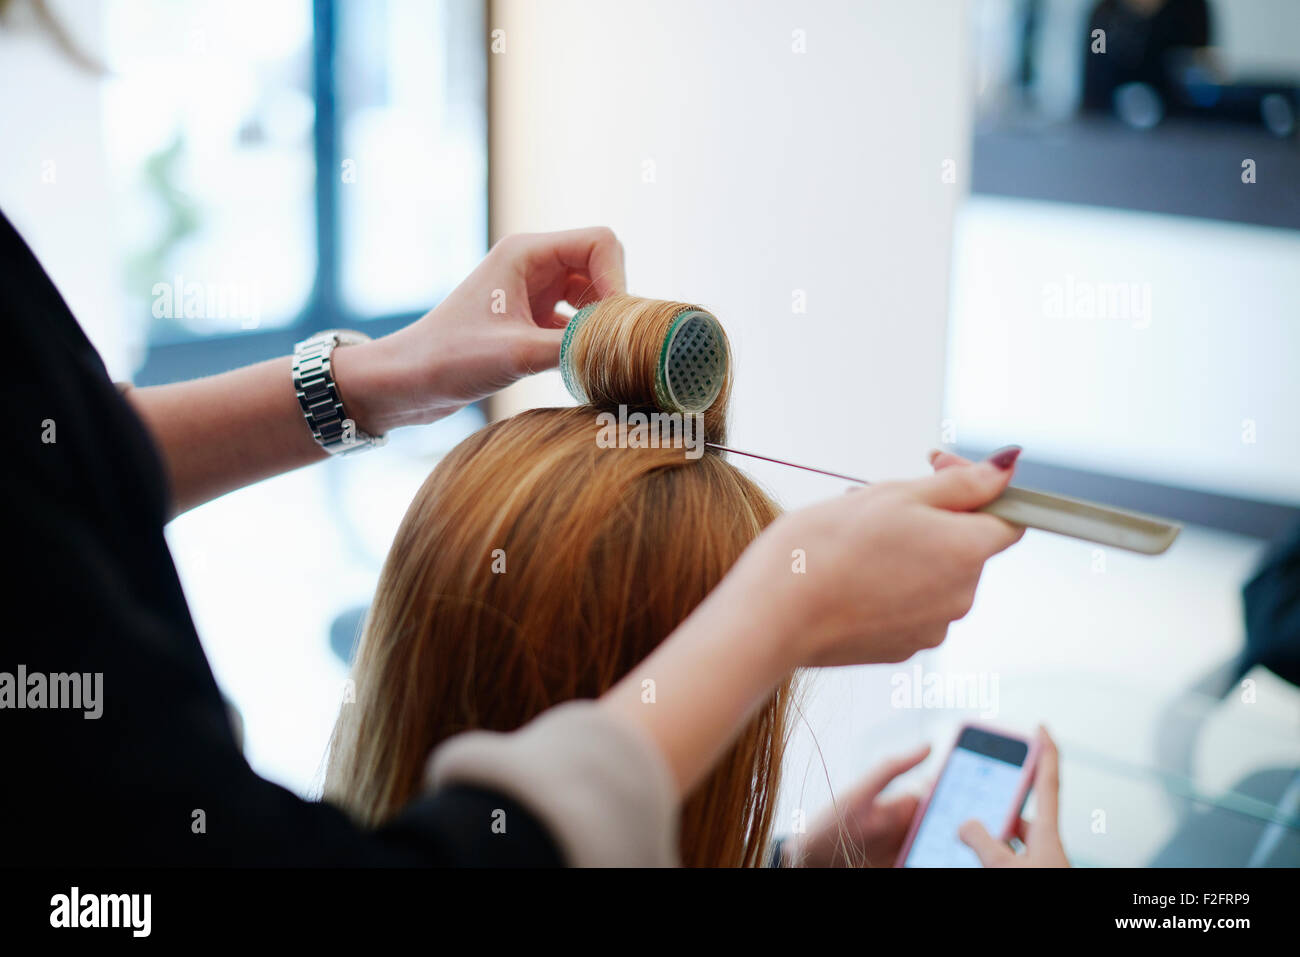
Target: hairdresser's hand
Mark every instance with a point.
(861, 830)
(940, 460)
(497, 326)
(1042, 835)
(877, 575)
(869, 577)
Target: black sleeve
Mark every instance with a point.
(1272, 604)
(91, 595)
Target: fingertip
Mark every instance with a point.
(910, 759)
(1002, 474)
(998, 476)
(1005, 457)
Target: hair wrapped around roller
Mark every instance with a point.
(649, 354)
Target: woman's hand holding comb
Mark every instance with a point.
(870, 577)
(885, 569)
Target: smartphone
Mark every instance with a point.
(986, 777)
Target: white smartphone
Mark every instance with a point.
(987, 777)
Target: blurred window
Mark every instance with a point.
(286, 167)
(413, 131)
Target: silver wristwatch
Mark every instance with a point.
(313, 381)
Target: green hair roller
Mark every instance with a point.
(692, 365)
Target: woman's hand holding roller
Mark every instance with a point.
(497, 326)
(225, 431)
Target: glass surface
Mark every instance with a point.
(1149, 779)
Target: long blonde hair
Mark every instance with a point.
(535, 567)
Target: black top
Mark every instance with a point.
(1272, 602)
(90, 587)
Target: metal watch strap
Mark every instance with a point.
(313, 382)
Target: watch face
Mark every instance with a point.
(346, 337)
(342, 337)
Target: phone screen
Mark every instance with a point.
(980, 780)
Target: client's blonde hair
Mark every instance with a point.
(535, 567)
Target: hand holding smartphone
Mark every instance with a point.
(987, 778)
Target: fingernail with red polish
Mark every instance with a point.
(933, 454)
(1006, 456)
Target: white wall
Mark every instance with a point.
(773, 171)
